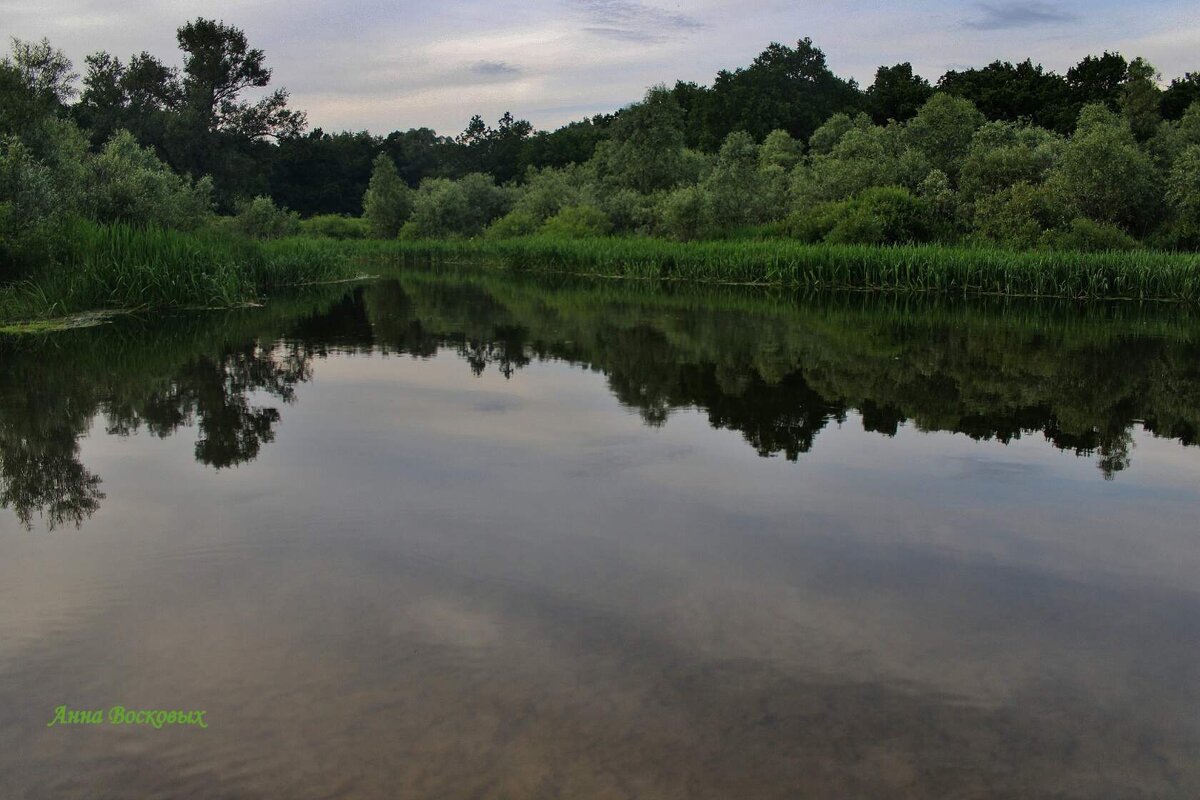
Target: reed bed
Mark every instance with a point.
(1142, 275)
(123, 267)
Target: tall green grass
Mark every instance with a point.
(122, 267)
(1146, 275)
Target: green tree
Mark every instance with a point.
(1004, 153)
(1105, 175)
(1015, 92)
(1141, 99)
(897, 93)
(218, 131)
(734, 189)
(1098, 79)
(645, 151)
(388, 202)
(1183, 186)
(1181, 94)
(133, 186)
(788, 88)
(943, 131)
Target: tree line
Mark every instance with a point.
(1011, 153)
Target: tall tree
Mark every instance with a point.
(646, 150)
(36, 81)
(1180, 94)
(388, 201)
(1014, 92)
(1141, 99)
(218, 67)
(897, 93)
(788, 88)
(1098, 79)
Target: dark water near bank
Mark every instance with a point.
(480, 537)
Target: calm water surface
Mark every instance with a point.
(455, 536)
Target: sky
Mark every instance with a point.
(382, 66)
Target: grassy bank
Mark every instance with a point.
(118, 267)
(1145, 275)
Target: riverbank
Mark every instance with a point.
(1141, 275)
(120, 268)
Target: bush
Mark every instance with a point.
(335, 226)
(1085, 236)
(577, 222)
(513, 224)
(881, 216)
(1019, 216)
(260, 218)
(1176, 235)
(627, 210)
(682, 214)
(131, 186)
(1183, 185)
(29, 209)
(445, 208)
(548, 191)
(813, 224)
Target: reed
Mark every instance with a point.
(123, 267)
(1142, 274)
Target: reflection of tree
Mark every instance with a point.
(215, 394)
(43, 475)
(781, 377)
(778, 375)
(47, 403)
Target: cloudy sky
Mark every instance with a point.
(378, 65)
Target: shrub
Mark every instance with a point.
(29, 208)
(627, 210)
(682, 214)
(883, 215)
(548, 191)
(1176, 235)
(335, 226)
(1019, 216)
(131, 185)
(260, 218)
(513, 224)
(577, 222)
(445, 208)
(1183, 185)
(1085, 236)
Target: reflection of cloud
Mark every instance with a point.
(1019, 14)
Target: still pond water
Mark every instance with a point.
(478, 536)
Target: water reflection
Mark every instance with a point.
(415, 539)
(778, 370)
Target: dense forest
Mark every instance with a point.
(1104, 157)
